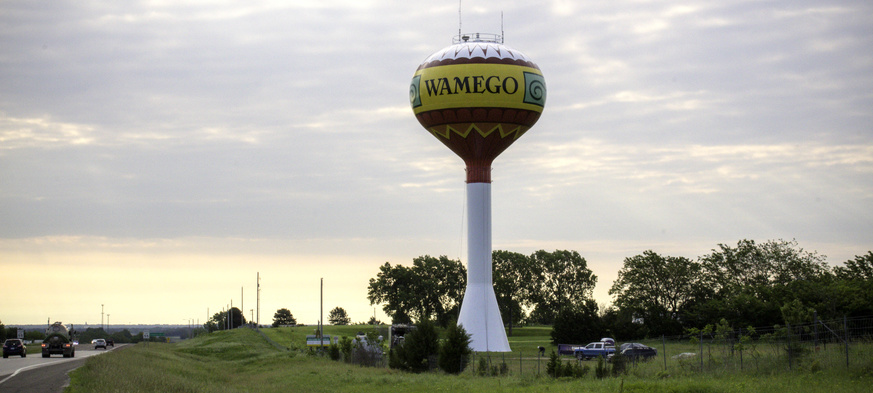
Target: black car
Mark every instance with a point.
(637, 351)
(14, 346)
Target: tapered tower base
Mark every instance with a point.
(480, 315)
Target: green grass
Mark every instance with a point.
(242, 361)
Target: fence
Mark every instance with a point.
(845, 343)
(812, 346)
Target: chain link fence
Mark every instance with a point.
(816, 345)
(845, 343)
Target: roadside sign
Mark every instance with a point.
(145, 334)
(20, 334)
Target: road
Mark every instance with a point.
(37, 374)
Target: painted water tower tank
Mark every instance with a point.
(477, 97)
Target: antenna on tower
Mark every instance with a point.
(459, 18)
(476, 37)
(502, 36)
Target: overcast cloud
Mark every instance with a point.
(218, 139)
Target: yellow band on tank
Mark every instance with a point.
(477, 85)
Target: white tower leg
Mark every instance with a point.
(480, 315)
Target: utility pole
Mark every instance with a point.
(258, 295)
(242, 304)
(321, 315)
(101, 316)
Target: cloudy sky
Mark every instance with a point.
(155, 156)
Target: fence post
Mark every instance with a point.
(742, 348)
(846, 329)
(664, 341)
(701, 350)
(789, 346)
(815, 330)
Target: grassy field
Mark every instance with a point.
(242, 361)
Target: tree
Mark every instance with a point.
(577, 323)
(860, 268)
(851, 291)
(455, 351)
(11, 332)
(752, 266)
(659, 290)
(561, 278)
(123, 336)
(621, 324)
(283, 317)
(237, 318)
(338, 316)
(219, 320)
(34, 335)
(431, 288)
(395, 287)
(513, 284)
(751, 282)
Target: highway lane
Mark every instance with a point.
(35, 373)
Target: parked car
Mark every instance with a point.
(597, 349)
(637, 351)
(99, 343)
(14, 346)
(568, 349)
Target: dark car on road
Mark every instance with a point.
(635, 351)
(14, 346)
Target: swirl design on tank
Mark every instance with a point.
(535, 89)
(414, 92)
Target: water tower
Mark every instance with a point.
(477, 97)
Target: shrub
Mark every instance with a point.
(419, 347)
(455, 351)
(395, 358)
(482, 369)
(553, 367)
(619, 364)
(575, 370)
(345, 345)
(333, 350)
(557, 368)
(486, 369)
(602, 369)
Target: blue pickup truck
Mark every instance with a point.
(604, 348)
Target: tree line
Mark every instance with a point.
(746, 285)
(234, 318)
(529, 288)
(750, 284)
